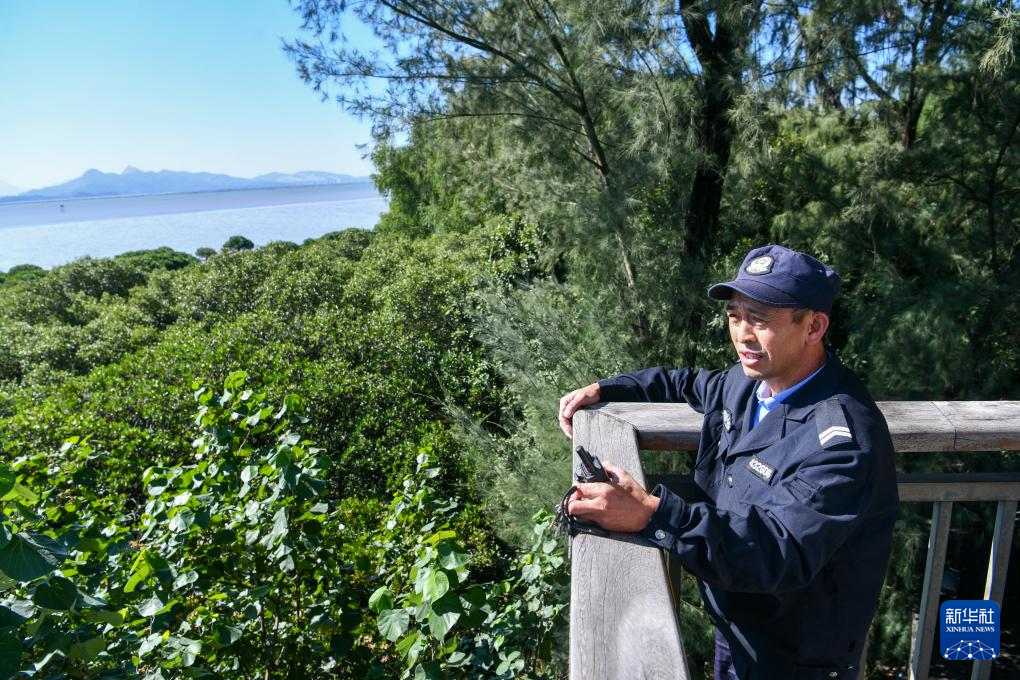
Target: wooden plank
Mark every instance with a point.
(660, 427)
(920, 658)
(918, 426)
(622, 621)
(983, 425)
(915, 426)
(913, 488)
(993, 486)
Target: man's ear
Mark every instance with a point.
(818, 325)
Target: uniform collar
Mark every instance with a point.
(801, 403)
(798, 406)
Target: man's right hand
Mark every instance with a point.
(569, 404)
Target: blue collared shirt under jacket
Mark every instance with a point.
(792, 530)
(766, 404)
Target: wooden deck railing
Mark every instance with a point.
(622, 616)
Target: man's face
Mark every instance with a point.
(770, 344)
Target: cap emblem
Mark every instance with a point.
(760, 265)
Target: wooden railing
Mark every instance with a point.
(622, 611)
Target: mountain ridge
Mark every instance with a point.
(134, 182)
(8, 189)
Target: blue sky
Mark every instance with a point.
(184, 85)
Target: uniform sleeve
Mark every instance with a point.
(775, 546)
(689, 385)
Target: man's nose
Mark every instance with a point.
(745, 333)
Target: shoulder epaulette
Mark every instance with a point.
(833, 428)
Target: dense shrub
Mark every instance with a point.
(235, 562)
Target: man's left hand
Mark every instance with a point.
(621, 505)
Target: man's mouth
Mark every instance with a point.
(751, 358)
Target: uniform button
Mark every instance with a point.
(729, 480)
(660, 534)
(833, 674)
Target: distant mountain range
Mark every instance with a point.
(135, 182)
(8, 189)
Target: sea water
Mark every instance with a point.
(53, 232)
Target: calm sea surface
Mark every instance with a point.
(48, 233)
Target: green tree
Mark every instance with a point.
(236, 244)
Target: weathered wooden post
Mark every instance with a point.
(622, 618)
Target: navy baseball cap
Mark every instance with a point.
(780, 277)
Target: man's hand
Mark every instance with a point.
(569, 404)
(621, 505)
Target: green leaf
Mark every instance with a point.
(20, 491)
(8, 617)
(452, 556)
(23, 608)
(184, 649)
(150, 606)
(7, 480)
(135, 579)
(5, 535)
(381, 599)
(235, 380)
(457, 659)
(224, 636)
(437, 585)
(149, 644)
(430, 670)
(103, 616)
(279, 527)
(57, 593)
(29, 556)
(259, 592)
(190, 649)
(55, 654)
(185, 578)
(248, 473)
(87, 650)
(10, 652)
(512, 661)
(159, 565)
(443, 615)
(405, 646)
(183, 520)
(393, 623)
(474, 604)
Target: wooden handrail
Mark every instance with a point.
(622, 618)
(916, 426)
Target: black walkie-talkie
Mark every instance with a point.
(588, 470)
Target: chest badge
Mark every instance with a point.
(761, 469)
(727, 420)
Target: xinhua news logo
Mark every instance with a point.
(969, 630)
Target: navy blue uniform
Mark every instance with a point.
(791, 538)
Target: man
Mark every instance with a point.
(792, 534)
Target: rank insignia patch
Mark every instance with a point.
(833, 428)
(727, 420)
